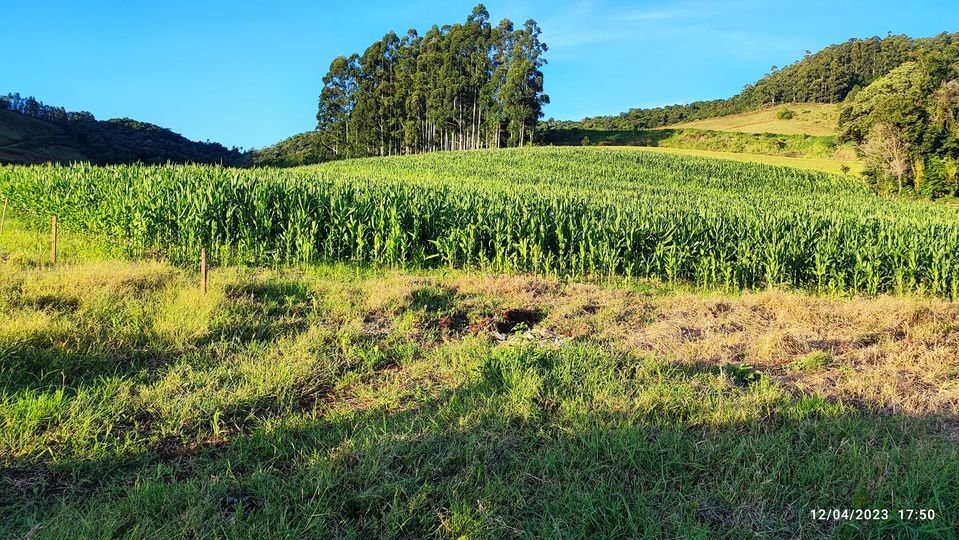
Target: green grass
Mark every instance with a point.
(835, 166)
(337, 401)
(817, 119)
(812, 361)
(27, 243)
(817, 149)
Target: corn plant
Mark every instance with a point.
(562, 211)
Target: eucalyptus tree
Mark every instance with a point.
(460, 86)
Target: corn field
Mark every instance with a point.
(557, 211)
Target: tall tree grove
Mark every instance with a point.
(456, 87)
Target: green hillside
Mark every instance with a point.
(32, 132)
(300, 149)
(793, 112)
(812, 87)
(831, 165)
(891, 103)
(27, 140)
(821, 152)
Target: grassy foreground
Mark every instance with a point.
(335, 401)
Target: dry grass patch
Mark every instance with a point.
(901, 354)
(897, 354)
(808, 119)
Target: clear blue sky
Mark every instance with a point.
(248, 73)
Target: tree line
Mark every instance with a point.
(34, 108)
(460, 86)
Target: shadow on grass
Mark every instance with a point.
(441, 309)
(575, 137)
(55, 303)
(434, 299)
(262, 311)
(529, 440)
(45, 367)
(530, 445)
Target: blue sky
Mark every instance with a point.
(248, 72)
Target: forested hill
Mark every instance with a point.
(33, 132)
(828, 76)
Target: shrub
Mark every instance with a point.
(939, 176)
(812, 361)
(785, 114)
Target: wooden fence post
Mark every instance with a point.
(53, 240)
(3, 218)
(203, 269)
